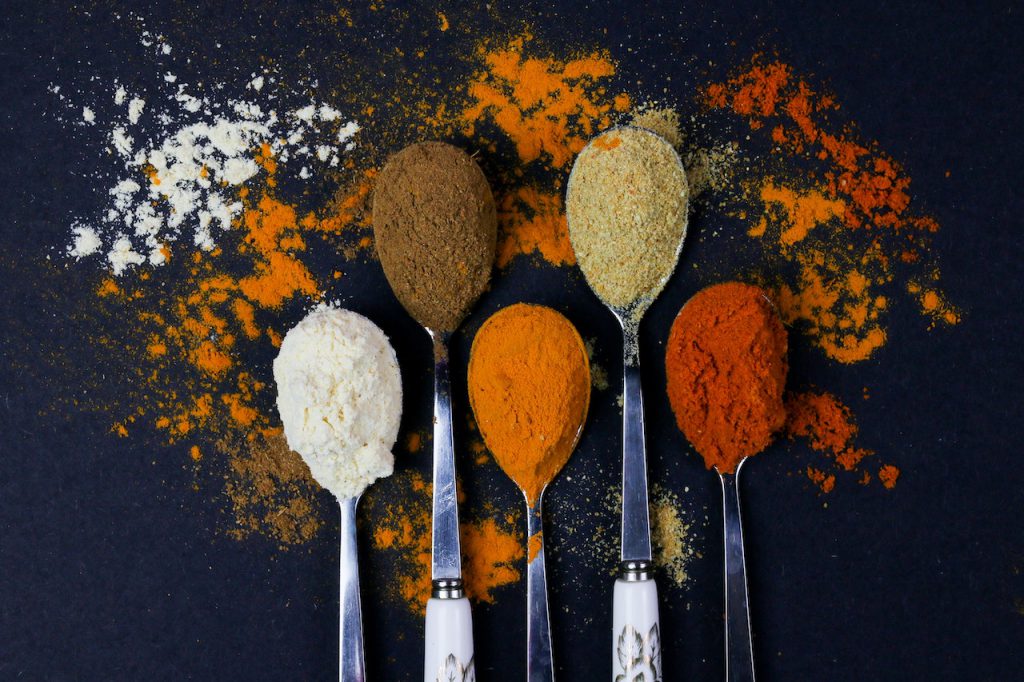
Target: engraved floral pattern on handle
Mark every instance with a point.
(639, 657)
(452, 670)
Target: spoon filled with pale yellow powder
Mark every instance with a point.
(626, 205)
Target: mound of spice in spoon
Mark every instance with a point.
(339, 393)
(435, 227)
(627, 208)
(726, 367)
(529, 385)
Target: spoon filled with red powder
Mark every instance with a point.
(726, 367)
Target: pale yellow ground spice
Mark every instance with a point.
(627, 210)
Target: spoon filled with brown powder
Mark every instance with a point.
(626, 205)
(435, 227)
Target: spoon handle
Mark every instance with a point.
(448, 651)
(739, 656)
(540, 665)
(351, 662)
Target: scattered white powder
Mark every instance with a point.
(179, 175)
(86, 243)
(346, 131)
(122, 256)
(135, 108)
(339, 393)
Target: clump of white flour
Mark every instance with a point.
(181, 154)
(339, 393)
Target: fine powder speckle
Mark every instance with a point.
(627, 210)
(340, 398)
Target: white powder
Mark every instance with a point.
(179, 171)
(135, 108)
(86, 243)
(339, 393)
(122, 256)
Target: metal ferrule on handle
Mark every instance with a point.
(351, 663)
(739, 649)
(540, 665)
(448, 653)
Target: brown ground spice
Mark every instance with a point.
(270, 489)
(435, 226)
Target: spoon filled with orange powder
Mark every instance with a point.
(726, 367)
(529, 386)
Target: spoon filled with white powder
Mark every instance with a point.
(339, 392)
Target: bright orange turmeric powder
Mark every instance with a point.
(529, 385)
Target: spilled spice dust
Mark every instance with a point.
(829, 428)
(270, 490)
(848, 225)
(547, 107)
(674, 534)
(491, 546)
(671, 535)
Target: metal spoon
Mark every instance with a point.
(449, 651)
(540, 665)
(635, 623)
(739, 648)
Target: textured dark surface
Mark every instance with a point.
(111, 566)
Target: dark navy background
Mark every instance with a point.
(112, 567)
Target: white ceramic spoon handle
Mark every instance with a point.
(351, 662)
(449, 641)
(636, 633)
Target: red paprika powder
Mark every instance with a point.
(726, 366)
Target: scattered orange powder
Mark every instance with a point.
(195, 453)
(414, 442)
(491, 547)
(533, 222)
(845, 221)
(547, 107)
(836, 301)
(888, 475)
(873, 185)
(827, 482)
(828, 426)
(934, 304)
(801, 211)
